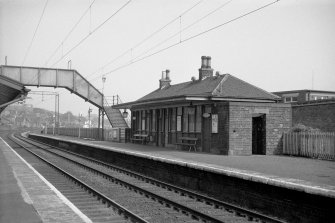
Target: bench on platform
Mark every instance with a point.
(188, 141)
(143, 138)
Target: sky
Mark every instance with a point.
(288, 45)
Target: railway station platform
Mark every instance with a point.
(25, 196)
(295, 173)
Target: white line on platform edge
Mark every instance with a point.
(59, 194)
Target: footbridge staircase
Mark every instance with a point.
(118, 118)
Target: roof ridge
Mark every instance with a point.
(275, 96)
(224, 78)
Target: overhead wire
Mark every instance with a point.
(69, 33)
(90, 33)
(61, 45)
(146, 38)
(34, 35)
(192, 37)
(184, 29)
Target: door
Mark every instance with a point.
(258, 134)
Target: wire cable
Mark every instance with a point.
(69, 33)
(94, 30)
(184, 29)
(146, 38)
(192, 37)
(32, 40)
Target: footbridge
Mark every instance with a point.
(69, 79)
(58, 78)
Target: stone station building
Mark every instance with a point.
(227, 115)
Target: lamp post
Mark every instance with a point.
(79, 125)
(89, 117)
(53, 126)
(102, 110)
(103, 83)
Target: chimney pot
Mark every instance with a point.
(167, 72)
(165, 81)
(203, 61)
(209, 62)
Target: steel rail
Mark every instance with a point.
(121, 210)
(199, 197)
(176, 206)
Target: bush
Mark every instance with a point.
(303, 128)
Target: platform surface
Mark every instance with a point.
(297, 173)
(26, 197)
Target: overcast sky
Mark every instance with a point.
(286, 46)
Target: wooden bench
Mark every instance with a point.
(143, 138)
(188, 141)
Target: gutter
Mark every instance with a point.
(189, 98)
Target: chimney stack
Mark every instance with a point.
(165, 81)
(205, 70)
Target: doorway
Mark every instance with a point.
(259, 134)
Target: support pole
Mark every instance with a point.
(103, 126)
(99, 131)
(58, 118)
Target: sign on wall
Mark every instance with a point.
(143, 124)
(215, 120)
(178, 123)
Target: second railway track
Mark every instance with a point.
(148, 199)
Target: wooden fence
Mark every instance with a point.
(316, 145)
(114, 134)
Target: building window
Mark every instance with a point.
(179, 118)
(147, 125)
(290, 99)
(185, 119)
(143, 120)
(191, 119)
(173, 115)
(198, 119)
(153, 120)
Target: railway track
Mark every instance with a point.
(149, 199)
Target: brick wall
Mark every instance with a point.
(278, 120)
(240, 132)
(319, 115)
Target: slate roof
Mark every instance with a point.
(222, 86)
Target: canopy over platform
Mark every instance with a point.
(11, 91)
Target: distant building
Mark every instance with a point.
(301, 96)
(227, 115)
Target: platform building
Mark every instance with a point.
(305, 96)
(227, 115)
